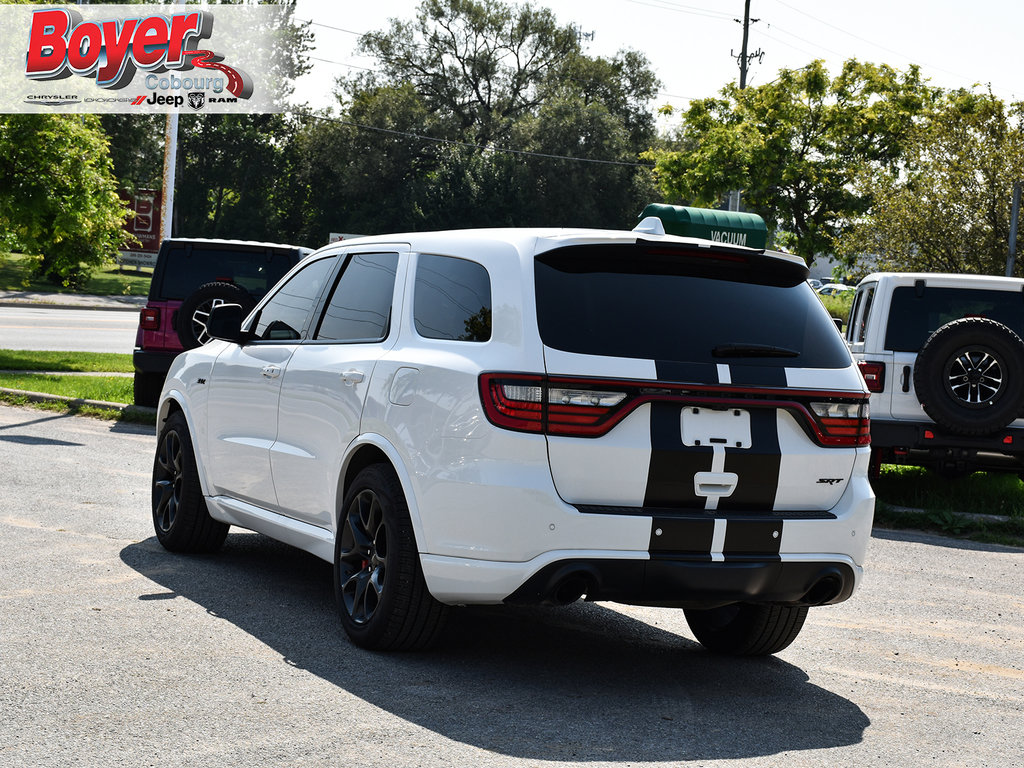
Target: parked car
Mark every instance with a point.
(814, 282)
(834, 289)
(943, 358)
(532, 416)
(192, 276)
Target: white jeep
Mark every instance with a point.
(943, 358)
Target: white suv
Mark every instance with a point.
(944, 361)
(532, 416)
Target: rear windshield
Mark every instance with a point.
(682, 306)
(185, 269)
(915, 315)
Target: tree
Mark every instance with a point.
(58, 195)
(947, 209)
(484, 114)
(796, 146)
(478, 62)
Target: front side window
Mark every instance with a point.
(284, 316)
(359, 309)
(453, 299)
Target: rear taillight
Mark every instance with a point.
(843, 423)
(149, 319)
(874, 375)
(553, 406)
(591, 407)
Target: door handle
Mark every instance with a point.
(271, 371)
(352, 377)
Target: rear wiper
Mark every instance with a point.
(752, 350)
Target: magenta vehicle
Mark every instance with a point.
(191, 277)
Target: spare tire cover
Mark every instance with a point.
(969, 376)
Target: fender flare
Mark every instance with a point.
(177, 396)
(397, 461)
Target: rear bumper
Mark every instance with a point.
(146, 361)
(687, 583)
(929, 445)
(673, 581)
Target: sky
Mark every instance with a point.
(689, 42)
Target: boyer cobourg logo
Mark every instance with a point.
(114, 52)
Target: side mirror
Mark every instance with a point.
(225, 323)
(839, 324)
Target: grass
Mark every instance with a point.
(113, 389)
(87, 362)
(911, 497)
(17, 274)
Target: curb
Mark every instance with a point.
(42, 397)
(48, 305)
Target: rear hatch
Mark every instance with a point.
(693, 378)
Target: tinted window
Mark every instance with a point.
(284, 315)
(185, 269)
(453, 299)
(857, 322)
(913, 318)
(360, 305)
(668, 305)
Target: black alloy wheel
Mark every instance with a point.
(363, 559)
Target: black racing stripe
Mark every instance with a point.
(673, 465)
(690, 537)
(756, 467)
(757, 376)
(690, 373)
(752, 537)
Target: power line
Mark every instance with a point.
(481, 147)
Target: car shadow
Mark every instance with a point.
(937, 540)
(34, 439)
(581, 683)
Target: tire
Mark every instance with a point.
(746, 629)
(969, 376)
(180, 517)
(147, 388)
(191, 323)
(381, 594)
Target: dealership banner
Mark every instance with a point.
(141, 59)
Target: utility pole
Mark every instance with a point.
(744, 60)
(1014, 216)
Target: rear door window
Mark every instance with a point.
(256, 270)
(671, 304)
(359, 309)
(915, 314)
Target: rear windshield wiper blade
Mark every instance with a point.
(753, 350)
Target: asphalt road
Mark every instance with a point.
(78, 330)
(115, 652)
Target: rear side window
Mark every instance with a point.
(360, 305)
(856, 324)
(453, 299)
(914, 314)
(683, 306)
(185, 269)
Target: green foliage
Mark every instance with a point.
(795, 146)
(111, 389)
(58, 194)
(19, 272)
(947, 207)
(34, 360)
